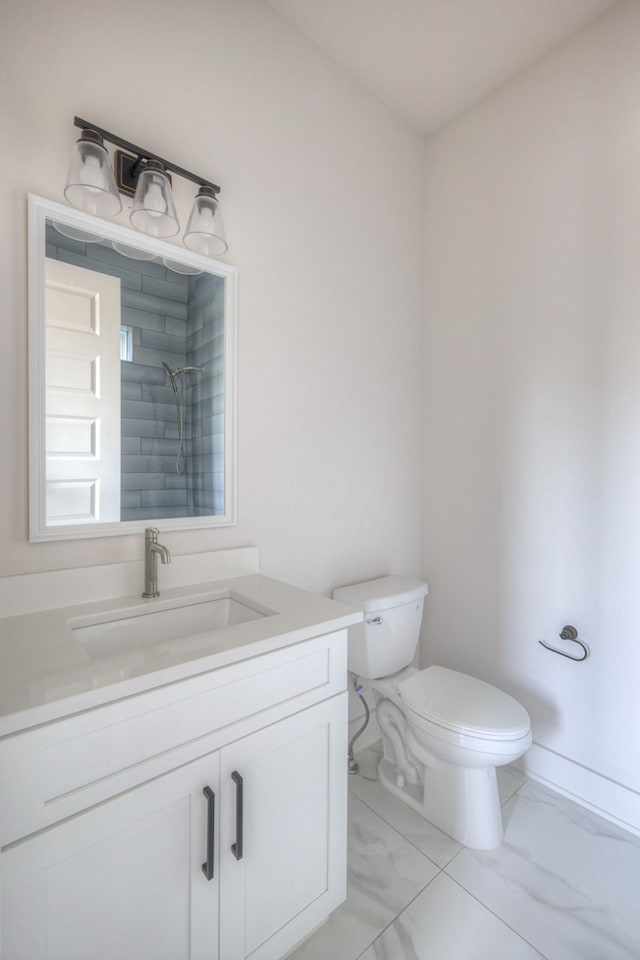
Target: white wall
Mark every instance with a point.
(532, 397)
(532, 341)
(322, 199)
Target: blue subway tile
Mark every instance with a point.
(144, 319)
(144, 373)
(131, 498)
(168, 448)
(130, 390)
(156, 412)
(153, 513)
(154, 394)
(176, 326)
(130, 427)
(164, 498)
(175, 277)
(147, 464)
(143, 481)
(150, 304)
(166, 342)
(130, 445)
(176, 481)
(154, 358)
(166, 289)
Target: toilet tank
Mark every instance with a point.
(387, 639)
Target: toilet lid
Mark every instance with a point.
(464, 704)
(382, 593)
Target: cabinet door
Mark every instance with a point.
(291, 869)
(122, 880)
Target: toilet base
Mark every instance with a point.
(461, 801)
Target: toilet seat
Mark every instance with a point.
(464, 705)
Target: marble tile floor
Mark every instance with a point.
(565, 884)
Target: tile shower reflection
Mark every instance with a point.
(178, 320)
(563, 886)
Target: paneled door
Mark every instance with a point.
(282, 838)
(83, 395)
(134, 878)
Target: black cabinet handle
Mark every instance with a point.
(236, 848)
(207, 866)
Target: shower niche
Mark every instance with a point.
(132, 368)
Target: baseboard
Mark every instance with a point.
(610, 799)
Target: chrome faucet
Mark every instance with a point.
(151, 550)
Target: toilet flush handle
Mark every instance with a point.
(375, 620)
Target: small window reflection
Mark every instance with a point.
(126, 343)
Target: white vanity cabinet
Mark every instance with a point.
(120, 880)
(292, 871)
(112, 816)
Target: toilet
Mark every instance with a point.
(443, 732)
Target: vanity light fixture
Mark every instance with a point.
(93, 186)
(204, 230)
(153, 210)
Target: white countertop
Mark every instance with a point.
(46, 673)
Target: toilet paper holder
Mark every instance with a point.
(568, 633)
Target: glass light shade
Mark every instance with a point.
(75, 233)
(204, 233)
(91, 185)
(184, 268)
(153, 210)
(133, 253)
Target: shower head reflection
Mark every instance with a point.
(175, 376)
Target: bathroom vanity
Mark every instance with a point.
(173, 770)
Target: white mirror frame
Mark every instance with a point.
(39, 211)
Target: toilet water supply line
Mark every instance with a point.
(393, 725)
(352, 766)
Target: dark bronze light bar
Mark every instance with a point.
(140, 153)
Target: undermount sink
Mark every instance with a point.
(121, 631)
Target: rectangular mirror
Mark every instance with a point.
(131, 380)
